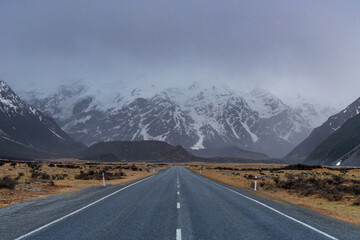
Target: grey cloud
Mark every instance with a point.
(289, 47)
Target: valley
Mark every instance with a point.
(184, 120)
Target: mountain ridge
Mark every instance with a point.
(321, 133)
(340, 146)
(195, 117)
(24, 129)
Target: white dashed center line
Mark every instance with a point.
(178, 234)
(178, 205)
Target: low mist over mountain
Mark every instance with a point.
(25, 131)
(321, 133)
(195, 117)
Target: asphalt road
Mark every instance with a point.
(174, 204)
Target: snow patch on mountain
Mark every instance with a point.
(57, 135)
(254, 138)
(196, 116)
(266, 104)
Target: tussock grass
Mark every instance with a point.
(330, 190)
(25, 181)
(7, 182)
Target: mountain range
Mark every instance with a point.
(25, 132)
(212, 122)
(195, 117)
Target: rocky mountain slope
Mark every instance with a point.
(25, 131)
(320, 134)
(196, 117)
(340, 148)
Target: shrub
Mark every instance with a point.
(19, 176)
(73, 166)
(34, 165)
(351, 189)
(331, 193)
(338, 179)
(106, 168)
(226, 168)
(357, 202)
(300, 167)
(344, 170)
(329, 188)
(59, 176)
(91, 175)
(134, 168)
(44, 176)
(39, 175)
(51, 165)
(248, 176)
(276, 180)
(7, 182)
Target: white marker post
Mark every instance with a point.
(103, 176)
(200, 171)
(255, 183)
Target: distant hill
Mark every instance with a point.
(340, 148)
(27, 132)
(320, 134)
(228, 152)
(154, 151)
(135, 151)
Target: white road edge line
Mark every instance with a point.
(72, 213)
(277, 211)
(178, 234)
(178, 205)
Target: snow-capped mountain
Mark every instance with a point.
(195, 117)
(24, 127)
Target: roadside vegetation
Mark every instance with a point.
(24, 181)
(334, 191)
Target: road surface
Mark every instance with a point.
(173, 204)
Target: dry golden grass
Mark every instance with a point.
(241, 176)
(30, 188)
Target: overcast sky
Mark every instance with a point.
(311, 48)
